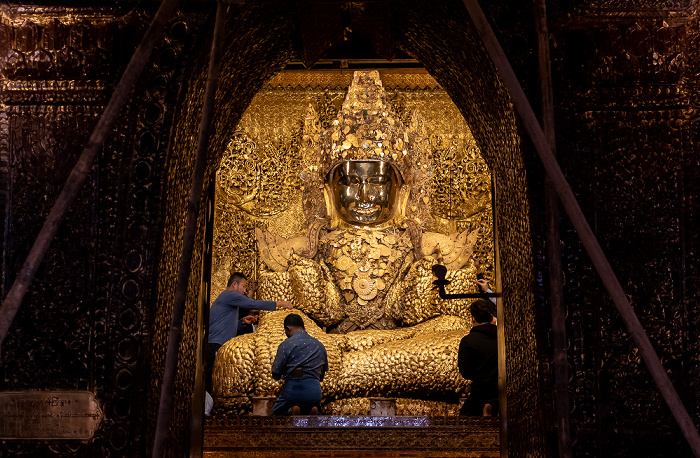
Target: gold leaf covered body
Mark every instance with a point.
(416, 362)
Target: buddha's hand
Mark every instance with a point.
(314, 291)
(276, 251)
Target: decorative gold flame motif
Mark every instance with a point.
(245, 177)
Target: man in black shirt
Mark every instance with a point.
(478, 361)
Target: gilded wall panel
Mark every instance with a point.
(238, 82)
(630, 155)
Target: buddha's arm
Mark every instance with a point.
(412, 299)
(314, 291)
(310, 283)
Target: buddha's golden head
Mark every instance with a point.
(364, 192)
(369, 166)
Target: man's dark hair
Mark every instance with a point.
(492, 308)
(481, 311)
(293, 321)
(236, 277)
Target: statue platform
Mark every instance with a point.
(346, 436)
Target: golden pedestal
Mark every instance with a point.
(356, 436)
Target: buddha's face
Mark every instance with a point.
(365, 191)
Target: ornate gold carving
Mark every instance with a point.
(348, 277)
(367, 128)
(274, 437)
(404, 407)
(273, 119)
(462, 182)
(417, 79)
(258, 176)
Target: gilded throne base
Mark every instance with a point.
(249, 436)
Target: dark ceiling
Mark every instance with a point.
(347, 35)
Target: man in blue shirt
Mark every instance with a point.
(301, 361)
(223, 316)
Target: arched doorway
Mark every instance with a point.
(441, 38)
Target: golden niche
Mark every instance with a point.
(360, 272)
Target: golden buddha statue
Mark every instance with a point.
(361, 274)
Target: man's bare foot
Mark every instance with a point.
(487, 410)
(314, 411)
(296, 410)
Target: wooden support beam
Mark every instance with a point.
(82, 168)
(203, 305)
(556, 285)
(165, 406)
(568, 200)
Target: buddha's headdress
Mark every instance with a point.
(366, 128)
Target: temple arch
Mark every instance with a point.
(435, 35)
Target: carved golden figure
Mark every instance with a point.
(362, 270)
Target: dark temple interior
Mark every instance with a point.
(624, 80)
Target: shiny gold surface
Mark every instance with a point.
(360, 281)
(276, 116)
(404, 406)
(244, 183)
(420, 361)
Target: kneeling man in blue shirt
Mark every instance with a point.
(301, 361)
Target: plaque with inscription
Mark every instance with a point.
(49, 415)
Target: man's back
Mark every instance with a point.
(223, 314)
(301, 361)
(301, 351)
(478, 360)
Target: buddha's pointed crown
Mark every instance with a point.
(366, 128)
